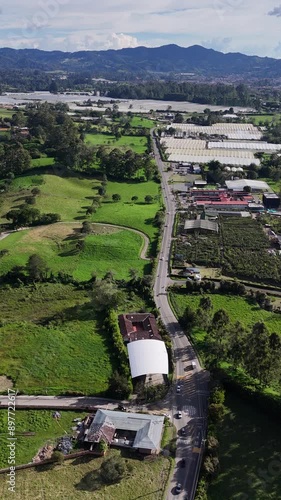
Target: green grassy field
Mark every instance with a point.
(42, 162)
(139, 121)
(70, 197)
(249, 455)
(136, 143)
(52, 341)
(6, 113)
(71, 355)
(109, 249)
(237, 308)
(69, 481)
(256, 119)
(42, 423)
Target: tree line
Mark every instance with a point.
(256, 351)
(221, 94)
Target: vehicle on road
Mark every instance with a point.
(183, 432)
(182, 462)
(179, 414)
(178, 488)
(121, 407)
(178, 388)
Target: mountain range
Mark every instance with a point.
(144, 61)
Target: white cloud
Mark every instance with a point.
(228, 25)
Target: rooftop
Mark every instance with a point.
(138, 326)
(145, 430)
(148, 357)
(201, 224)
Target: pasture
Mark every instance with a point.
(40, 422)
(71, 480)
(137, 143)
(238, 309)
(107, 249)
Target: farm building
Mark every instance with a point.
(140, 432)
(138, 326)
(148, 357)
(271, 200)
(240, 184)
(200, 225)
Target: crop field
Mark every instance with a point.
(249, 453)
(240, 248)
(71, 481)
(108, 249)
(136, 143)
(42, 424)
(238, 309)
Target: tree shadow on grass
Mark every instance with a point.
(90, 482)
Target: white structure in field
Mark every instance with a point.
(148, 357)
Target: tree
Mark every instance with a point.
(119, 385)
(113, 470)
(86, 227)
(116, 197)
(24, 217)
(36, 268)
(106, 295)
(134, 199)
(148, 199)
(258, 354)
(206, 303)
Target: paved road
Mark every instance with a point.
(190, 394)
(60, 402)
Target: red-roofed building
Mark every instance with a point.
(138, 326)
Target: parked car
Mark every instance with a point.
(178, 388)
(183, 433)
(182, 462)
(179, 414)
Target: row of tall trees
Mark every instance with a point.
(256, 351)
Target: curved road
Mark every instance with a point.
(190, 392)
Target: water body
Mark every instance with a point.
(140, 106)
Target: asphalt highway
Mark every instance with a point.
(190, 391)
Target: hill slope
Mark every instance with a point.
(142, 60)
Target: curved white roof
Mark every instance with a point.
(148, 357)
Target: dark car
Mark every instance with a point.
(121, 407)
(178, 488)
(183, 462)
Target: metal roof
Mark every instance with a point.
(148, 428)
(201, 224)
(148, 357)
(239, 185)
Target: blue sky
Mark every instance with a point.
(249, 26)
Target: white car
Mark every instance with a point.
(179, 414)
(178, 388)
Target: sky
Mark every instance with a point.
(249, 26)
